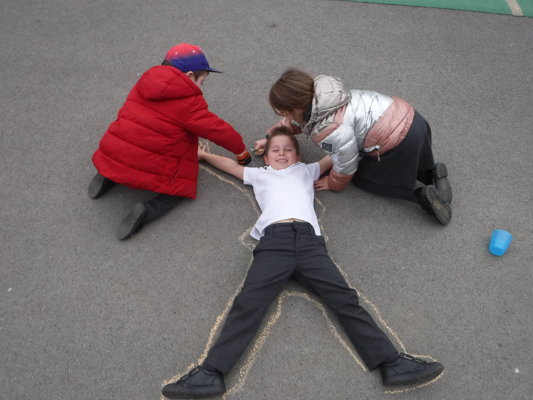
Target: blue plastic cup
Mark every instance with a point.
(499, 242)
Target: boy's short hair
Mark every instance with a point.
(294, 90)
(188, 57)
(282, 131)
(196, 74)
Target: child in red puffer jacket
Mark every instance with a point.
(153, 143)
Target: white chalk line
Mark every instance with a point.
(515, 8)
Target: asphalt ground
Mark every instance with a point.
(84, 316)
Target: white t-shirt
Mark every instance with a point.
(283, 194)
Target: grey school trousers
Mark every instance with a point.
(292, 250)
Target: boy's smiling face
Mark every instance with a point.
(281, 153)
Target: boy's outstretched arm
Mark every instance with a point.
(325, 164)
(222, 163)
(324, 183)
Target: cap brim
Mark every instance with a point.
(215, 70)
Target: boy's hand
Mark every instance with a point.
(244, 158)
(259, 147)
(322, 184)
(202, 147)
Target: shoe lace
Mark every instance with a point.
(190, 373)
(412, 358)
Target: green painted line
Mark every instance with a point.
(488, 6)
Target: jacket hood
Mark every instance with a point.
(165, 83)
(331, 93)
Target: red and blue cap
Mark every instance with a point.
(188, 57)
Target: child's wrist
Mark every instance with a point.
(244, 158)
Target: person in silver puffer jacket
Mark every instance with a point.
(379, 142)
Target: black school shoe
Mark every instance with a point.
(133, 222)
(440, 177)
(429, 199)
(407, 370)
(198, 383)
(99, 185)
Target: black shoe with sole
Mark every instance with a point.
(440, 177)
(407, 370)
(99, 185)
(133, 222)
(198, 383)
(430, 200)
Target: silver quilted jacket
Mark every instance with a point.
(363, 109)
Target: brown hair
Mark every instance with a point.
(196, 74)
(294, 90)
(282, 131)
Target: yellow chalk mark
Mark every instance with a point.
(251, 355)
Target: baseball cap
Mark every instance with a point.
(188, 57)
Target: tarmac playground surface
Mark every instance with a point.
(84, 316)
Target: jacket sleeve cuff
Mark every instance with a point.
(338, 182)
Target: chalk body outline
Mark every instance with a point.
(262, 335)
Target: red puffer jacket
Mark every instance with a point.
(153, 143)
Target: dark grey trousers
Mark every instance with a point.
(395, 173)
(292, 250)
(160, 205)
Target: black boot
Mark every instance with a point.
(440, 177)
(199, 382)
(429, 199)
(99, 185)
(407, 370)
(133, 222)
